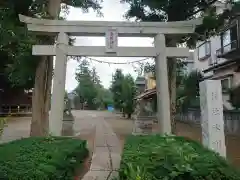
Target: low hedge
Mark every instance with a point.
(41, 158)
(177, 158)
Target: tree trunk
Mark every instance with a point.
(42, 87)
(172, 90)
(172, 77)
(41, 97)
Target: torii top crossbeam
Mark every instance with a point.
(98, 28)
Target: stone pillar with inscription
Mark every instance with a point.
(212, 116)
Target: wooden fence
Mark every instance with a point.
(15, 110)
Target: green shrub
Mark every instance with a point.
(3, 121)
(176, 158)
(38, 158)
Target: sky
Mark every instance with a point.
(112, 10)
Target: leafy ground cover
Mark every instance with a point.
(41, 158)
(156, 157)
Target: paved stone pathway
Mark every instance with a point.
(16, 128)
(107, 148)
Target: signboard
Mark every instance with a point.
(212, 121)
(111, 41)
(110, 108)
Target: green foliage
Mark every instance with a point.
(124, 90)
(88, 82)
(164, 10)
(191, 83)
(85, 5)
(89, 89)
(116, 88)
(156, 157)
(3, 121)
(41, 158)
(105, 97)
(128, 93)
(188, 92)
(17, 62)
(235, 97)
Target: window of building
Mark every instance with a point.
(229, 39)
(204, 50)
(226, 38)
(226, 84)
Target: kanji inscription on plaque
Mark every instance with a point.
(111, 38)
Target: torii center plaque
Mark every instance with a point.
(111, 38)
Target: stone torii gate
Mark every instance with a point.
(111, 30)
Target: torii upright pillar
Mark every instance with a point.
(163, 100)
(57, 101)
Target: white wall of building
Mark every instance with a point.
(211, 59)
(215, 44)
(205, 63)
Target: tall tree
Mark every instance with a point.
(43, 78)
(188, 92)
(95, 76)
(128, 94)
(176, 10)
(124, 90)
(89, 88)
(17, 63)
(116, 88)
(106, 97)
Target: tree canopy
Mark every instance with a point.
(17, 62)
(116, 88)
(175, 10)
(124, 91)
(90, 89)
(188, 91)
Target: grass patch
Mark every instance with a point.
(41, 158)
(156, 157)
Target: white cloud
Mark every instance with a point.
(113, 10)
